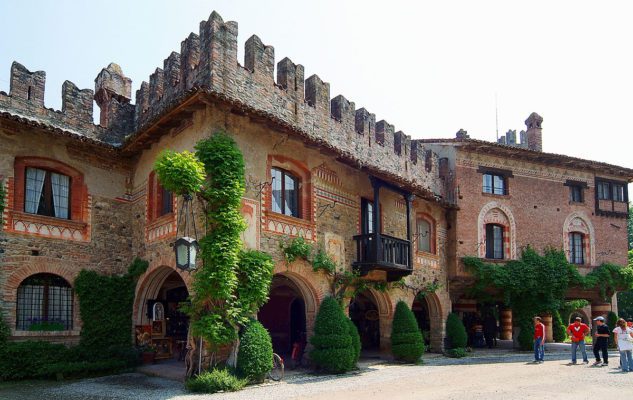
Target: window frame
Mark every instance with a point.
(431, 233)
(50, 281)
(490, 244)
(501, 174)
(47, 193)
(297, 189)
(573, 248)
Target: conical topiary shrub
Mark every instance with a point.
(612, 321)
(455, 332)
(332, 351)
(558, 328)
(255, 356)
(407, 343)
(353, 332)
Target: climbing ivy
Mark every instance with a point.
(295, 248)
(537, 284)
(105, 305)
(232, 284)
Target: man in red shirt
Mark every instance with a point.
(539, 340)
(577, 331)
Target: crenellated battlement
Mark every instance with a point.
(208, 60)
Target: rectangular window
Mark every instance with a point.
(285, 193)
(47, 193)
(576, 248)
(424, 235)
(367, 216)
(166, 201)
(618, 192)
(494, 184)
(575, 193)
(604, 190)
(494, 242)
(611, 191)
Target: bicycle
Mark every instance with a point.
(277, 373)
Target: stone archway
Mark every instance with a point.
(372, 313)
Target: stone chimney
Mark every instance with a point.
(534, 132)
(462, 134)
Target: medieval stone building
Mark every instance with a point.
(84, 196)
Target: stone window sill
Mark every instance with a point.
(26, 334)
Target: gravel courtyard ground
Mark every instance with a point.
(507, 377)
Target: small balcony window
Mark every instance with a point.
(494, 242)
(285, 190)
(47, 193)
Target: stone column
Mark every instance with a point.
(506, 324)
(549, 331)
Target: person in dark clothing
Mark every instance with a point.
(601, 342)
(490, 330)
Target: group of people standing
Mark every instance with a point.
(623, 336)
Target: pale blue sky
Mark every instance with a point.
(429, 68)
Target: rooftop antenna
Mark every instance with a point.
(497, 116)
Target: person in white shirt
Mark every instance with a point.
(624, 339)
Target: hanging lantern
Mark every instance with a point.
(186, 247)
(186, 251)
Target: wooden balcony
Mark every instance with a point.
(384, 253)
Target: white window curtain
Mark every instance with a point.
(30, 305)
(60, 184)
(276, 187)
(34, 185)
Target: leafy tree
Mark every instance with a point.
(407, 343)
(629, 229)
(255, 357)
(456, 332)
(180, 173)
(625, 304)
(333, 350)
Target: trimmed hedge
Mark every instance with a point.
(215, 381)
(356, 344)
(333, 350)
(455, 332)
(407, 343)
(21, 360)
(255, 356)
(558, 328)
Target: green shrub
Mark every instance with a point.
(333, 350)
(296, 248)
(323, 262)
(180, 173)
(458, 352)
(455, 332)
(407, 343)
(353, 332)
(5, 332)
(612, 321)
(558, 328)
(215, 381)
(526, 334)
(255, 357)
(21, 360)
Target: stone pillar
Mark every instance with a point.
(549, 331)
(506, 324)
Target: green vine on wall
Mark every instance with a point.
(537, 284)
(105, 305)
(232, 283)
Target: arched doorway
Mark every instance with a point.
(159, 318)
(420, 309)
(284, 315)
(363, 311)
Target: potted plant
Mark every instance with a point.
(148, 351)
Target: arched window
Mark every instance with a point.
(285, 193)
(45, 302)
(425, 234)
(578, 239)
(494, 242)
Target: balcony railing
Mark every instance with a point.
(392, 255)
